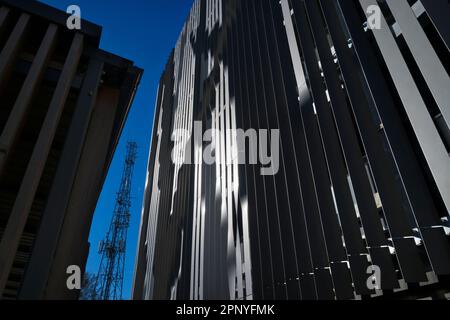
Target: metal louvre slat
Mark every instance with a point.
(426, 58)
(342, 281)
(285, 102)
(309, 194)
(380, 163)
(258, 119)
(274, 106)
(438, 13)
(412, 176)
(348, 216)
(261, 210)
(331, 141)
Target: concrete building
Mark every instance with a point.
(64, 103)
(360, 206)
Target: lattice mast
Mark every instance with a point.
(109, 281)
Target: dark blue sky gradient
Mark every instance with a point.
(144, 31)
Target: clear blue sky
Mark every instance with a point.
(144, 31)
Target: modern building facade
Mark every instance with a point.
(63, 103)
(359, 208)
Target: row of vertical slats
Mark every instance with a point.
(357, 97)
(45, 246)
(424, 211)
(9, 54)
(317, 225)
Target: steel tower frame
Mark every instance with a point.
(109, 280)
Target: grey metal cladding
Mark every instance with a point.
(363, 179)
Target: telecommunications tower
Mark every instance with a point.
(109, 280)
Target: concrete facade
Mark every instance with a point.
(64, 103)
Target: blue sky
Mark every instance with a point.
(144, 31)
